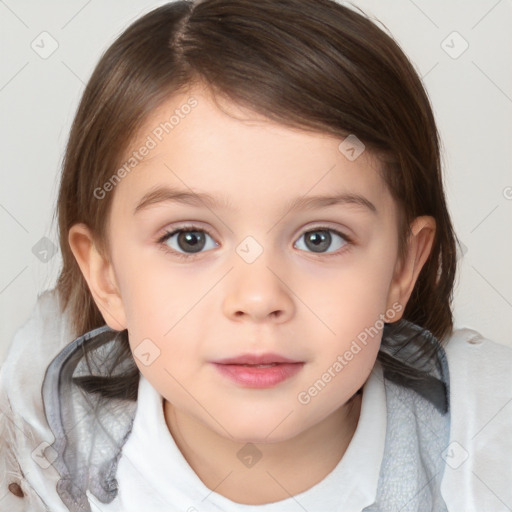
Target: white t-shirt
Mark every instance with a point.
(153, 474)
(477, 476)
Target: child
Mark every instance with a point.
(300, 354)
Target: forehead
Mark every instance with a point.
(206, 144)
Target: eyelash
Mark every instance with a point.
(163, 239)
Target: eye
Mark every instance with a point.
(318, 240)
(186, 241)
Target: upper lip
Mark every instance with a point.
(256, 359)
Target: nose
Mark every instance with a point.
(257, 292)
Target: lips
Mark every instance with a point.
(256, 359)
(258, 370)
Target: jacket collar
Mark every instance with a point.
(90, 428)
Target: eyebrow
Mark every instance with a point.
(161, 194)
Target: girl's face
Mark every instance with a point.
(269, 265)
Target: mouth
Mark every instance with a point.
(258, 371)
(257, 359)
(259, 365)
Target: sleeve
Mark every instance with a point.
(27, 477)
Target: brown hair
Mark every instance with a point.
(308, 64)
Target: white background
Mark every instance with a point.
(471, 95)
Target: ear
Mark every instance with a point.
(419, 245)
(99, 274)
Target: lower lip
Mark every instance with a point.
(254, 377)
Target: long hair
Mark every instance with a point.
(307, 64)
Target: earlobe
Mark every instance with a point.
(99, 275)
(419, 245)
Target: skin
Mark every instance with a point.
(308, 306)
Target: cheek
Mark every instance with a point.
(154, 294)
(351, 301)
(161, 306)
(352, 295)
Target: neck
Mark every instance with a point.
(274, 476)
